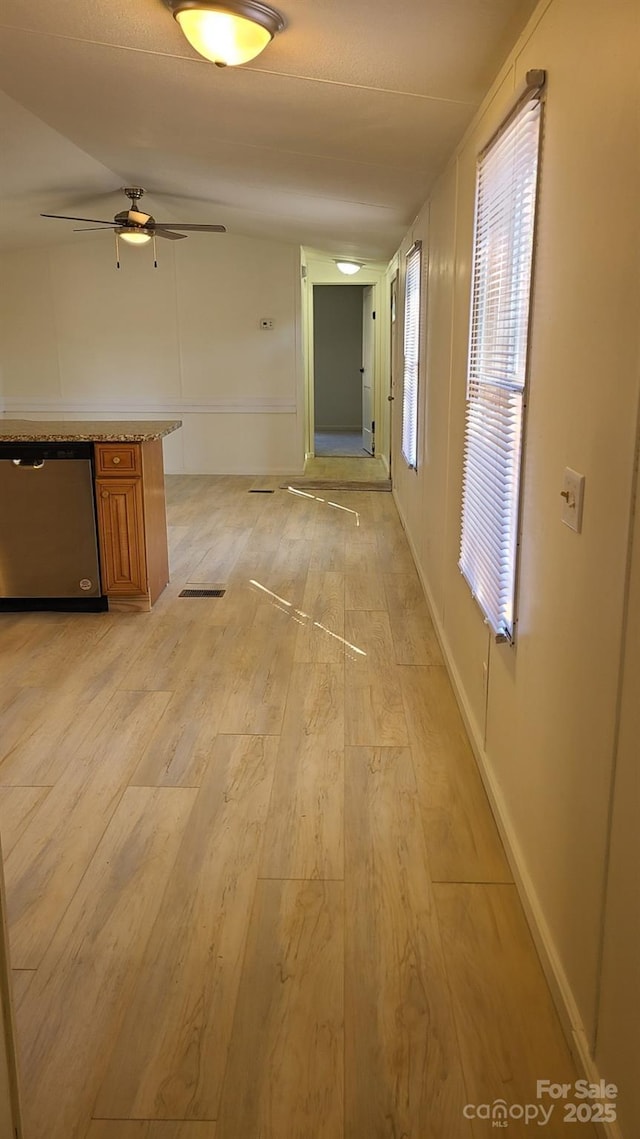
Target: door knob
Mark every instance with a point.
(391, 398)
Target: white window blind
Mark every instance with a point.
(501, 287)
(411, 354)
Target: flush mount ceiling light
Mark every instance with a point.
(349, 267)
(227, 33)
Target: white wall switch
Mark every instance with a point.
(266, 323)
(572, 494)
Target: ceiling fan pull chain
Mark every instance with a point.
(155, 254)
(117, 250)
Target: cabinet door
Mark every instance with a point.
(121, 529)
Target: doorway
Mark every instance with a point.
(343, 359)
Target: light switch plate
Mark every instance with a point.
(573, 497)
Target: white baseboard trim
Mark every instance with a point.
(385, 463)
(247, 472)
(241, 406)
(561, 992)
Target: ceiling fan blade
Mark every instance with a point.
(137, 218)
(66, 217)
(203, 228)
(168, 233)
(94, 228)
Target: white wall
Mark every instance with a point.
(78, 337)
(618, 1041)
(544, 724)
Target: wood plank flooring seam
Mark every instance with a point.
(139, 1078)
(396, 986)
(469, 882)
(98, 840)
(459, 826)
(92, 963)
(439, 934)
(287, 1080)
(304, 833)
(168, 786)
(144, 691)
(241, 971)
(272, 878)
(267, 735)
(506, 1020)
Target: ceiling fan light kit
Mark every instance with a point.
(134, 236)
(227, 33)
(138, 228)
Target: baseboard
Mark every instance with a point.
(385, 463)
(561, 992)
(245, 472)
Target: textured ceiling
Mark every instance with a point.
(331, 138)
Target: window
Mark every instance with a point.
(501, 287)
(411, 354)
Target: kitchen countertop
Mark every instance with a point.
(85, 430)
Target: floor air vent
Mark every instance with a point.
(260, 490)
(202, 593)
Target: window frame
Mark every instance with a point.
(411, 362)
(498, 361)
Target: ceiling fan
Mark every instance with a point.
(136, 227)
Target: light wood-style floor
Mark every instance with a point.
(360, 469)
(255, 888)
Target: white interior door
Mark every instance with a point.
(368, 328)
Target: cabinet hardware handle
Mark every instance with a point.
(115, 459)
(105, 494)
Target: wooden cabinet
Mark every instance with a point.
(121, 528)
(132, 525)
(118, 459)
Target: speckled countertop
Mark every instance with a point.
(85, 430)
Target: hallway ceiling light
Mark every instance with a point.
(230, 32)
(349, 267)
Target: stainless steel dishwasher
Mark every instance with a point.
(48, 540)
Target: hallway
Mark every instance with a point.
(347, 468)
(255, 888)
(346, 443)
